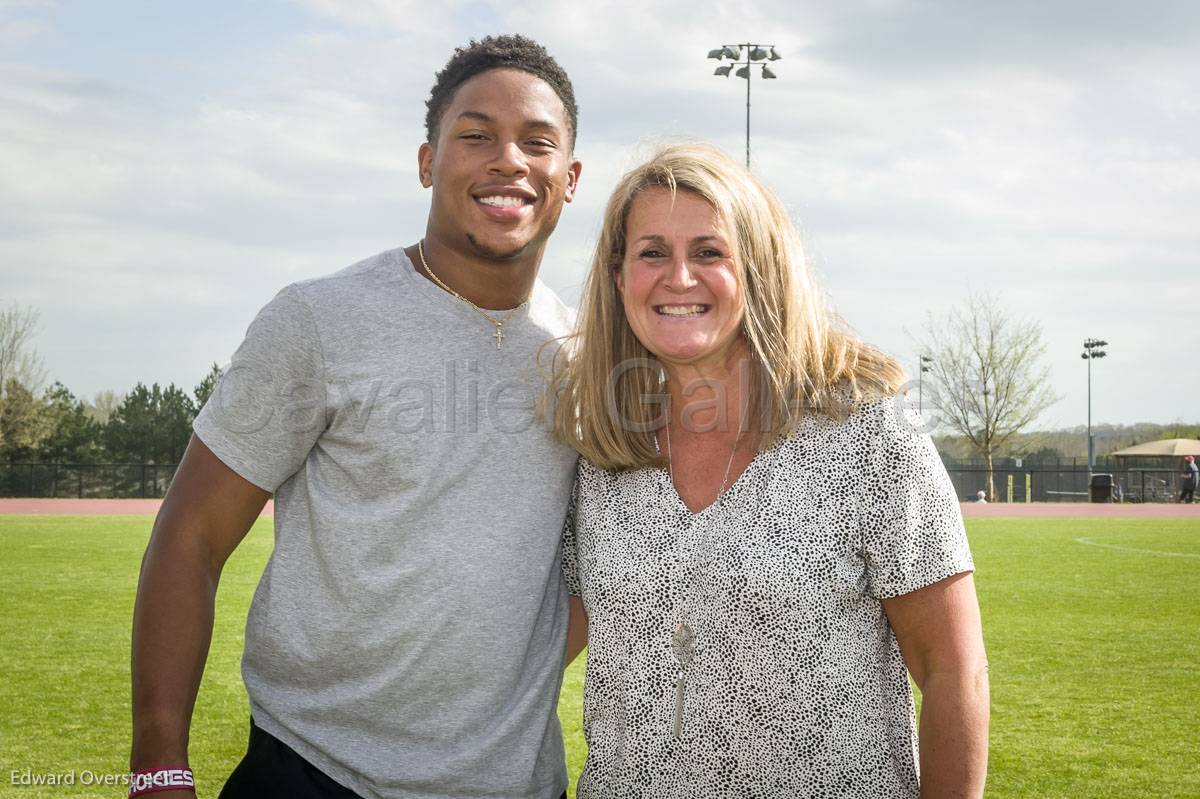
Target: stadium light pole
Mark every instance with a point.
(756, 56)
(1091, 351)
(925, 361)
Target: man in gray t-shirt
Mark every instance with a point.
(406, 638)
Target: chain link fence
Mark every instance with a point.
(86, 480)
(1061, 482)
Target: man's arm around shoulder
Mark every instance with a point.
(207, 512)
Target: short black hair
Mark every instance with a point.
(498, 52)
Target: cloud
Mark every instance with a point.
(1050, 154)
(903, 40)
(22, 20)
(117, 206)
(406, 17)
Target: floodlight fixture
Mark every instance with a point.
(755, 56)
(925, 361)
(1091, 351)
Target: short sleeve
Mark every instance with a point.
(912, 526)
(268, 408)
(570, 548)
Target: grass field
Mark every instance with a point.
(1093, 648)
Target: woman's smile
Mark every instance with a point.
(679, 278)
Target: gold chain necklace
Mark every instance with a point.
(499, 323)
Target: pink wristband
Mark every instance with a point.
(153, 780)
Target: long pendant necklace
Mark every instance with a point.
(683, 637)
(499, 323)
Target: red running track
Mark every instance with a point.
(89, 507)
(149, 507)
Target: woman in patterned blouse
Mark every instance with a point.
(763, 543)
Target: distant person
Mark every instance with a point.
(1187, 481)
(764, 541)
(981, 497)
(406, 639)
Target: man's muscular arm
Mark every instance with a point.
(205, 515)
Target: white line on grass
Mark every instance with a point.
(1092, 543)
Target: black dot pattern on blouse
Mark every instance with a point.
(797, 687)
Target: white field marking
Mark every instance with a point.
(1092, 543)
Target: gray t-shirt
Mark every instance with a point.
(407, 635)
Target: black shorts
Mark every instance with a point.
(272, 770)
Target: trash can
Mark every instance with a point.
(1100, 488)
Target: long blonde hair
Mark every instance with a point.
(802, 354)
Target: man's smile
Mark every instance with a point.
(505, 202)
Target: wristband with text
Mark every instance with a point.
(154, 780)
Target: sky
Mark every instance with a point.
(166, 168)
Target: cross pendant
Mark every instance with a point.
(499, 334)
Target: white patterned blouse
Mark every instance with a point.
(790, 682)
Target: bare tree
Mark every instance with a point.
(25, 421)
(988, 381)
(18, 360)
(103, 405)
